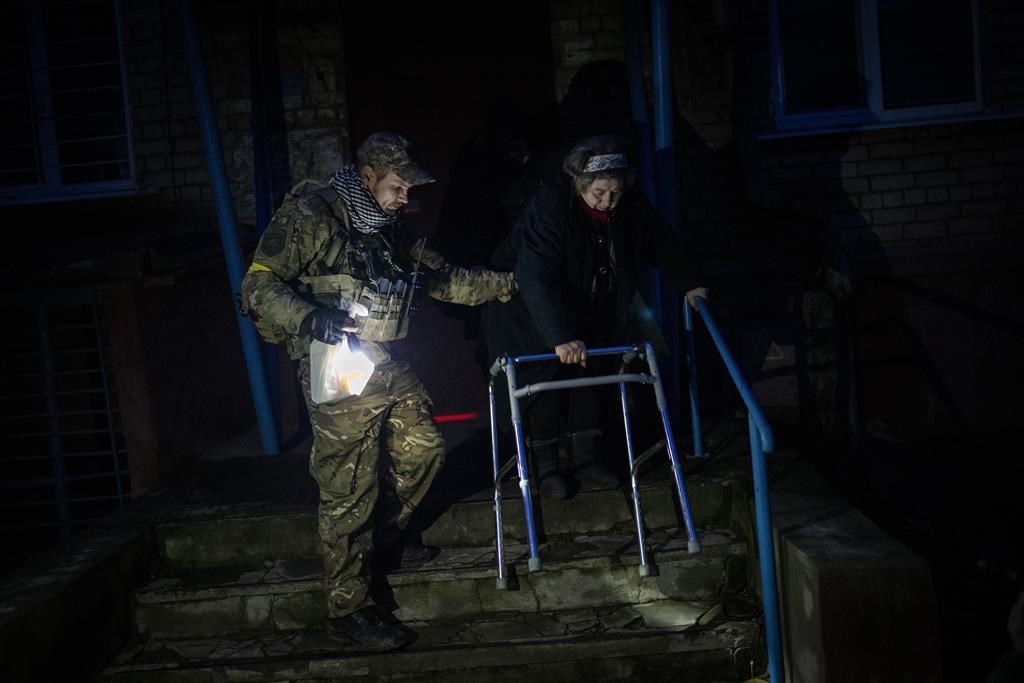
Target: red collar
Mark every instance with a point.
(594, 214)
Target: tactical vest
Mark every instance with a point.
(364, 268)
(390, 302)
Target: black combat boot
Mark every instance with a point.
(550, 482)
(587, 463)
(369, 629)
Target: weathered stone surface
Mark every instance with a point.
(622, 617)
(299, 610)
(669, 614)
(203, 618)
(587, 616)
(257, 611)
(233, 540)
(211, 536)
(508, 649)
(691, 579)
(585, 571)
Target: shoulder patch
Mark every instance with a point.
(273, 240)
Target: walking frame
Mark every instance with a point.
(508, 365)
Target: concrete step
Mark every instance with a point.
(215, 535)
(699, 642)
(578, 572)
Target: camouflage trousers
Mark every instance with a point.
(374, 457)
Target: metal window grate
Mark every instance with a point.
(61, 448)
(66, 124)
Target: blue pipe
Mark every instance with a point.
(664, 162)
(664, 166)
(226, 225)
(638, 100)
(642, 137)
(766, 553)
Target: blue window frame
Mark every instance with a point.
(65, 130)
(848, 63)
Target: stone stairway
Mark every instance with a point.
(237, 595)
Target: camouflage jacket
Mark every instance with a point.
(310, 256)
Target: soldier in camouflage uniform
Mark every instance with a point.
(333, 249)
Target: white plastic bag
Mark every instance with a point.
(336, 371)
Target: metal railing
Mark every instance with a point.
(761, 442)
(62, 451)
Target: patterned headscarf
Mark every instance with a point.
(363, 209)
(605, 162)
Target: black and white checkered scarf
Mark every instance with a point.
(363, 209)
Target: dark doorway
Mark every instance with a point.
(437, 77)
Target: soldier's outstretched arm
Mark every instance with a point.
(458, 285)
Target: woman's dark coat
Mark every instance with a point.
(555, 251)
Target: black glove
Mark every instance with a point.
(327, 325)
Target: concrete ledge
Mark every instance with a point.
(64, 614)
(218, 535)
(541, 649)
(857, 605)
(459, 584)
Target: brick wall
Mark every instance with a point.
(934, 186)
(162, 243)
(938, 205)
(918, 188)
(584, 31)
(149, 94)
(308, 137)
(909, 187)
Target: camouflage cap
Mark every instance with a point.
(386, 151)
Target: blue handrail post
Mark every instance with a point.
(642, 136)
(226, 225)
(766, 553)
(764, 430)
(638, 100)
(761, 441)
(664, 165)
(691, 372)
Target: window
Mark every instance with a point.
(853, 62)
(64, 126)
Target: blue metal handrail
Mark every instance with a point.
(761, 442)
(764, 430)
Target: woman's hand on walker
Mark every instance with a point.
(574, 351)
(696, 293)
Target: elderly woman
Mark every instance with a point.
(577, 252)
